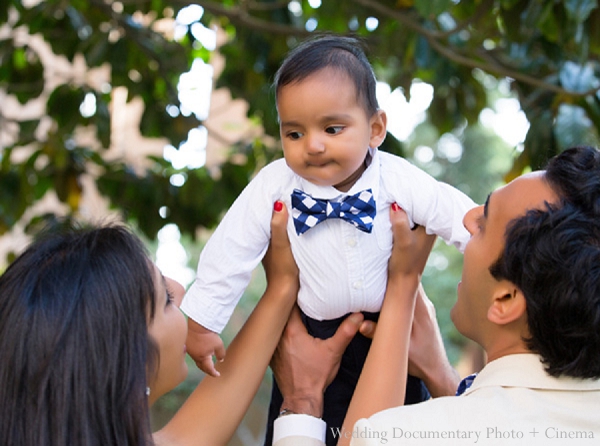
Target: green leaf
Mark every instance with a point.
(22, 73)
(578, 78)
(548, 24)
(430, 9)
(573, 127)
(63, 104)
(101, 120)
(579, 10)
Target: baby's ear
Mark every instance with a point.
(378, 124)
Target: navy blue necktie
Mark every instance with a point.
(358, 209)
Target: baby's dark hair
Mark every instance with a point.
(344, 54)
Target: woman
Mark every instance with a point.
(91, 335)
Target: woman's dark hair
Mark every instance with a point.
(74, 309)
(553, 256)
(328, 51)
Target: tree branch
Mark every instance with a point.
(261, 6)
(239, 17)
(134, 34)
(433, 38)
(482, 11)
(500, 70)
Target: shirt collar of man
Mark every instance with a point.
(526, 370)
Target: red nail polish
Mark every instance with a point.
(395, 207)
(278, 206)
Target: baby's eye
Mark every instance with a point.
(294, 135)
(334, 129)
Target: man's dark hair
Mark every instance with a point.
(327, 51)
(553, 256)
(575, 176)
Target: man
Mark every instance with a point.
(529, 295)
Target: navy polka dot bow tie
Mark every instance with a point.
(358, 209)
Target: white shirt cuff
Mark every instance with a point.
(299, 425)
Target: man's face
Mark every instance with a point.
(487, 226)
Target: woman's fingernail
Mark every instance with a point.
(278, 206)
(395, 207)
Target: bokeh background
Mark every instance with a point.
(158, 113)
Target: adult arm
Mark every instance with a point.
(303, 367)
(303, 376)
(382, 383)
(297, 376)
(427, 356)
(216, 407)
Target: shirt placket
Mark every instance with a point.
(356, 279)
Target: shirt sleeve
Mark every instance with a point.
(436, 205)
(233, 251)
(299, 430)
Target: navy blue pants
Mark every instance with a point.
(339, 393)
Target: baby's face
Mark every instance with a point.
(325, 131)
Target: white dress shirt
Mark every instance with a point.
(342, 269)
(298, 429)
(512, 401)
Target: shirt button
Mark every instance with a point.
(351, 242)
(357, 285)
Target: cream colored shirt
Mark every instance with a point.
(512, 401)
(342, 269)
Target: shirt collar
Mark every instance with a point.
(368, 180)
(526, 370)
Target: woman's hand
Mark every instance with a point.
(411, 246)
(280, 266)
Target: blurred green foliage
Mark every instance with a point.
(545, 51)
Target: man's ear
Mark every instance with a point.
(378, 124)
(508, 304)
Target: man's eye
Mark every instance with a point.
(334, 129)
(480, 223)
